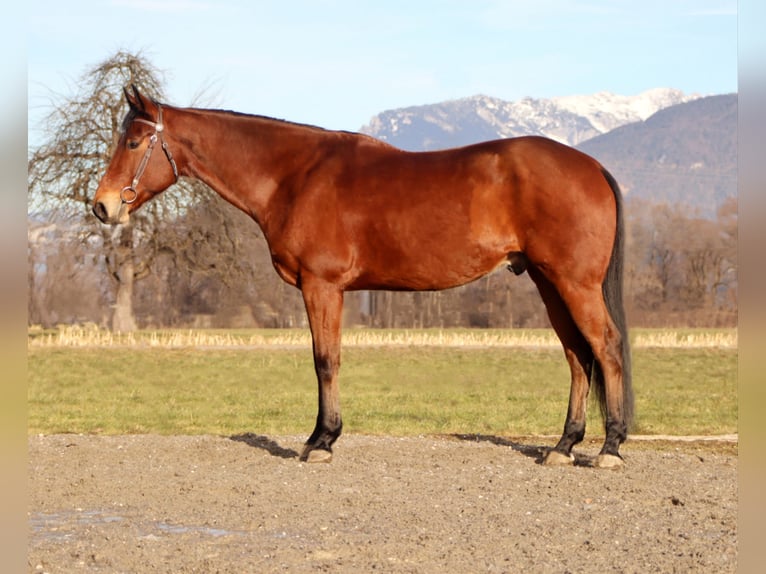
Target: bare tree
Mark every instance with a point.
(81, 132)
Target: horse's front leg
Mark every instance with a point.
(324, 306)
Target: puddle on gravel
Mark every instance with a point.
(63, 526)
(205, 530)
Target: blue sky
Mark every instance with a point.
(337, 63)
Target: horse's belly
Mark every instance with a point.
(421, 269)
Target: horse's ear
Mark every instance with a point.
(135, 100)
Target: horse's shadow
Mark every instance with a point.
(264, 443)
(536, 452)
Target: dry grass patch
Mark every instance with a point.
(92, 336)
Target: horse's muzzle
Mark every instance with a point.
(111, 212)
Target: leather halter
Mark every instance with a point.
(158, 129)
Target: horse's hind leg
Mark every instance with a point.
(580, 358)
(588, 310)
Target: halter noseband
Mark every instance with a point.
(158, 129)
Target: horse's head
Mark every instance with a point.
(137, 171)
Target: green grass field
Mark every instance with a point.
(395, 390)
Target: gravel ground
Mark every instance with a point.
(145, 503)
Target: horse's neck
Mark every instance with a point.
(243, 158)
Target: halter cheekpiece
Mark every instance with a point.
(129, 194)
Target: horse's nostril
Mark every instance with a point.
(99, 210)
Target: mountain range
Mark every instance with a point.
(684, 154)
(662, 145)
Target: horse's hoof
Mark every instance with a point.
(608, 461)
(556, 458)
(316, 455)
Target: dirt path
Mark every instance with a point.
(422, 504)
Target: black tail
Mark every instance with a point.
(612, 290)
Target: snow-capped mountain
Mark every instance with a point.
(569, 119)
(606, 111)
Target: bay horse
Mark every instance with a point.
(343, 211)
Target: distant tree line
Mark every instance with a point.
(681, 271)
(189, 259)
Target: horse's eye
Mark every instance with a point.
(132, 145)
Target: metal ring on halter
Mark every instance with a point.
(132, 199)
